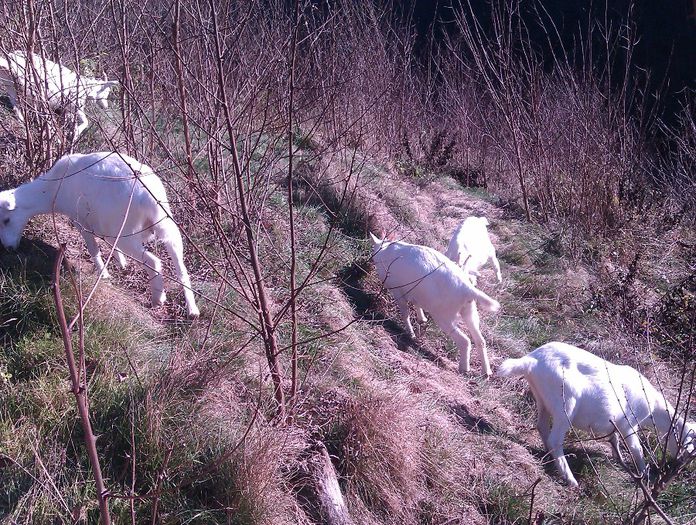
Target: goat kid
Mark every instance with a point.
(429, 280)
(574, 388)
(471, 247)
(108, 195)
(57, 85)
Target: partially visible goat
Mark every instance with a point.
(575, 388)
(57, 85)
(429, 280)
(471, 247)
(108, 195)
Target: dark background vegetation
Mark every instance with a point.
(666, 48)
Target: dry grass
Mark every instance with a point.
(412, 441)
(376, 443)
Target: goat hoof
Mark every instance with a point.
(121, 261)
(194, 313)
(159, 300)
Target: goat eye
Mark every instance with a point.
(6, 221)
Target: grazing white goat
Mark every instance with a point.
(429, 280)
(58, 86)
(471, 247)
(575, 388)
(108, 195)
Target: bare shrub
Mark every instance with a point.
(676, 319)
(675, 172)
(559, 139)
(432, 158)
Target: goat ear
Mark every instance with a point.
(104, 77)
(484, 221)
(110, 83)
(7, 200)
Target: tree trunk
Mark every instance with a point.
(319, 491)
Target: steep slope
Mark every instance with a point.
(184, 411)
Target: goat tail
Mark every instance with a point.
(515, 367)
(484, 301)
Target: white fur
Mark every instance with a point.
(56, 85)
(575, 388)
(107, 195)
(471, 247)
(429, 280)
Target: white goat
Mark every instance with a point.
(108, 195)
(471, 247)
(58, 86)
(429, 280)
(575, 388)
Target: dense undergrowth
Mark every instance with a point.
(593, 224)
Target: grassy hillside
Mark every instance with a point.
(185, 417)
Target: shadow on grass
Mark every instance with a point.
(343, 208)
(26, 301)
(365, 305)
(34, 258)
(471, 422)
(580, 461)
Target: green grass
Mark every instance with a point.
(38, 416)
(530, 329)
(401, 207)
(678, 498)
(477, 193)
(504, 503)
(25, 298)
